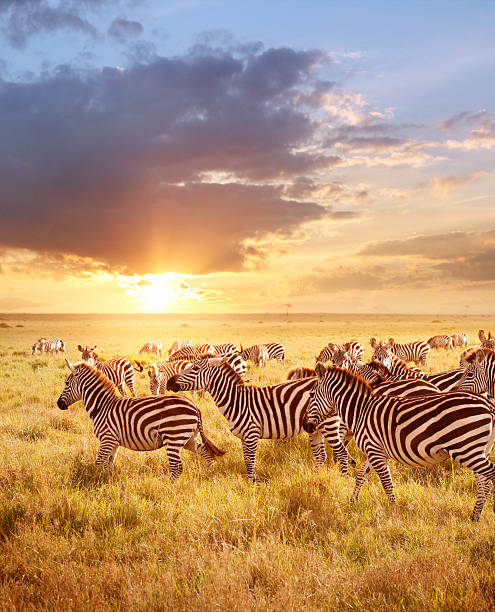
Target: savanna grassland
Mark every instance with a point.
(75, 537)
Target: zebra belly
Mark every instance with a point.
(150, 441)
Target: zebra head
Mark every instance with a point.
(88, 354)
(320, 405)
(71, 393)
(476, 376)
(382, 353)
(195, 377)
(342, 359)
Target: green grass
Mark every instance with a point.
(75, 537)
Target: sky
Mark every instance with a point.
(233, 156)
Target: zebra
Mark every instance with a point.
(178, 344)
(460, 339)
(441, 341)
(206, 348)
(120, 371)
(141, 424)
(225, 349)
(301, 372)
(479, 375)
(276, 350)
(254, 413)
(159, 374)
(416, 351)
(416, 431)
(354, 349)
(190, 353)
(486, 341)
(257, 353)
(396, 367)
(42, 345)
(154, 346)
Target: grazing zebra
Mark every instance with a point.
(178, 344)
(190, 353)
(160, 373)
(258, 354)
(460, 339)
(442, 341)
(155, 346)
(417, 431)
(479, 375)
(141, 424)
(43, 345)
(120, 371)
(353, 348)
(417, 351)
(255, 413)
(276, 350)
(301, 372)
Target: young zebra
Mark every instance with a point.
(119, 371)
(178, 344)
(160, 373)
(418, 431)
(254, 413)
(460, 339)
(43, 345)
(276, 350)
(154, 346)
(258, 354)
(353, 348)
(442, 341)
(417, 351)
(141, 424)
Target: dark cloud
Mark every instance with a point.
(466, 118)
(122, 30)
(110, 164)
(476, 267)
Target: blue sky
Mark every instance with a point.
(187, 155)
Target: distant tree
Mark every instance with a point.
(287, 306)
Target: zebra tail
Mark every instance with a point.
(214, 450)
(139, 367)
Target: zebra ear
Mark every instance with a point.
(480, 356)
(70, 366)
(80, 348)
(373, 342)
(490, 335)
(391, 342)
(481, 335)
(320, 369)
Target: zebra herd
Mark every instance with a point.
(392, 410)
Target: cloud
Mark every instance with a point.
(335, 280)
(108, 164)
(464, 118)
(441, 186)
(14, 303)
(121, 30)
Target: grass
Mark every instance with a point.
(75, 537)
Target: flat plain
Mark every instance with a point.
(76, 537)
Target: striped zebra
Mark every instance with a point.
(301, 372)
(441, 341)
(354, 349)
(190, 353)
(257, 353)
(43, 345)
(160, 373)
(479, 375)
(178, 344)
(276, 350)
(417, 351)
(460, 339)
(206, 348)
(254, 413)
(141, 424)
(119, 371)
(225, 349)
(486, 341)
(418, 431)
(154, 346)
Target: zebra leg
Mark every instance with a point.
(317, 443)
(249, 448)
(174, 462)
(330, 429)
(121, 388)
(107, 453)
(484, 473)
(360, 478)
(379, 464)
(484, 487)
(205, 452)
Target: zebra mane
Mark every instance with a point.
(102, 379)
(471, 356)
(232, 374)
(379, 368)
(352, 378)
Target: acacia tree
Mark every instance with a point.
(287, 306)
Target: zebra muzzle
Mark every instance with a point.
(309, 427)
(172, 384)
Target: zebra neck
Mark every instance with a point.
(223, 389)
(96, 396)
(350, 405)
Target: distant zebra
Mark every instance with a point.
(225, 349)
(178, 344)
(460, 339)
(479, 375)
(301, 372)
(442, 341)
(276, 350)
(258, 354)
(140, 424)
(160, 373)
(354, 349)
(417, 431)
(154, 346)
(254, 413)
(43, 345)
(190, 353)
(120, 371)
(417, 351)
(486, 341)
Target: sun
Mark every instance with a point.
(155, 297)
